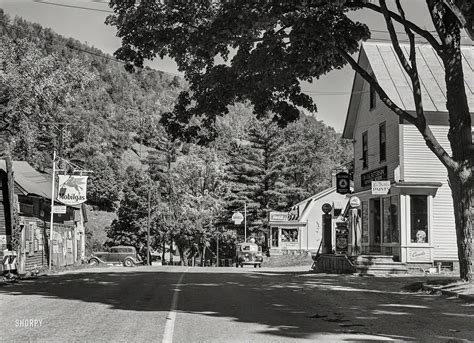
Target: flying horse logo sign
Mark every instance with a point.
(72, 189)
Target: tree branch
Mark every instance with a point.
(383, 96)
(394, 38)
(423, 33)
(412, 69)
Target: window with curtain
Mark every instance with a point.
(419, 218)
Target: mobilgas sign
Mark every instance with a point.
(72, 189)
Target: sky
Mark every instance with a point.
(74, 18)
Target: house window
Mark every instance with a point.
(391, 231)
(382, 142)
(373, 96)
(289, 235)
(365, 150)
(419, 218)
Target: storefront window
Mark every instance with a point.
(419, 218)
(275, 237)
(390, 220)
(289, 235)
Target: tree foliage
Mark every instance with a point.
(266, 61)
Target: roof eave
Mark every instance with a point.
(348, 132)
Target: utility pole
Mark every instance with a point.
(217, 250)
(245, 222)
(51, 227)
(148, 229)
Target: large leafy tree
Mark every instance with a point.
(130, 228)
(271, 46)
(194, 190)
(311, 152)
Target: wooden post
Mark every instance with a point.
(217, 250)
(51, 224)
(148, 230)
(245, 221)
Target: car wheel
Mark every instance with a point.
(259, 265)
(255, 266)
(93, 261)
(128, 262)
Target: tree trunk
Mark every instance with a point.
(460, 138)
(183, 257)
(163, 252)
(461, 188)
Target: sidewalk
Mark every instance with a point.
(451, 288)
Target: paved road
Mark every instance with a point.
(180, 304)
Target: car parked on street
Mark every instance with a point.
(248, 253)
(125, 255)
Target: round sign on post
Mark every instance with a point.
(354, 202)
(326, 208)
(237, 217)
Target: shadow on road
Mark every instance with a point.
(287, 304)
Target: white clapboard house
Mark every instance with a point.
(415, 221)
(300, 229)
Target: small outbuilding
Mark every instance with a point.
(300, 229)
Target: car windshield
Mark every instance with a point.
(249, 248)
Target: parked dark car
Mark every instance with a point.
(125, 255)
(248, 253)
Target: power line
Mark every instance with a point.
(66, 45)
(73, 6)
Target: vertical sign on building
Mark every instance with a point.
(343, 183)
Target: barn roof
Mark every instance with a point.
(30, 180)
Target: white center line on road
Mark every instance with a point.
(171, 318)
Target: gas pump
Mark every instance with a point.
(355, 228)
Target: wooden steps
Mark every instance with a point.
(363, 264)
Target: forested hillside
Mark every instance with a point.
(66, 96)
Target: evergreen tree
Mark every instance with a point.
(254, 176)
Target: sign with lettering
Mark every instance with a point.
(416, 254)
(380, 187)
(237, 217)
(59, 209)
(3, 239)
(373, 175)
(72, 189)
(343, 183)
(326, 208)
(278, 216)
(354, 202)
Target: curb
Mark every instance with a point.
(434, 290)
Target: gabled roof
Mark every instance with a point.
(30, 180)
(309, 202)
(381, 59)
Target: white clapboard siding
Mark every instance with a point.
(369, 120)
(421, 165)
(443, 229)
